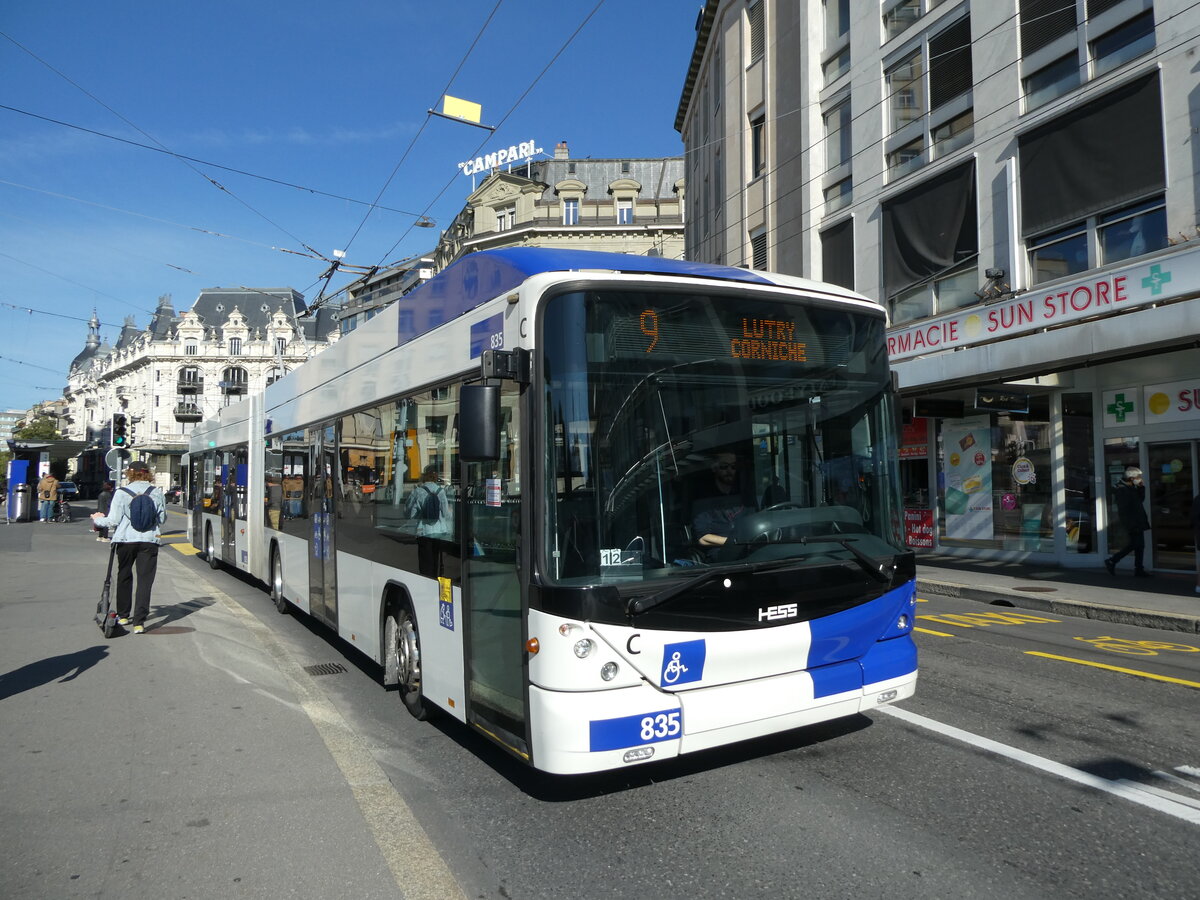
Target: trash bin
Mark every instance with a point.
(22, 504)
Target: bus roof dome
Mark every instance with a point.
(488, 273)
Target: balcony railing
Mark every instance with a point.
(232, 387)
(191, 385)
(188, 412)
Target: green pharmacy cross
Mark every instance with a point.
(1156, 280)
(1119, 408)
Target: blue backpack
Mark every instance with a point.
(143, 514)
(431, 506)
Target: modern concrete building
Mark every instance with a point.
(368, 295)
(1018, 183)
(8, 423)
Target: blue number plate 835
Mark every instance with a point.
(630, 731)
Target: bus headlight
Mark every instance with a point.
(583, 647)
(609, 670)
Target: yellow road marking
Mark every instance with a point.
(931, 631)
(1140, 674)
(971, 620)
(185, 548)
(922, 600)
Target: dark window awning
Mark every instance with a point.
(837, 254)
(1093, 158)
(930, 228)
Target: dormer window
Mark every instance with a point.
(235, 346)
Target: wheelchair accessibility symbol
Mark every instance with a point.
(683, 662)
(673, 670)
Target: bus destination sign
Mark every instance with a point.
(772, 339)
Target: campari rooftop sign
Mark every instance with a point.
(522, 152)
(1127, 287)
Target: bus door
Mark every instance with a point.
(492, 601)
(322, 491)
(187, 478)
(228, 509)
(204, 475)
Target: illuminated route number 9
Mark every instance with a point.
(648, 321)
(660, 726)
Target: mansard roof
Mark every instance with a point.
(129, 333)
(257, 305)
(85, 357)
(657, 176)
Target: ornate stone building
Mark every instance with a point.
(183, 368)
(615, 205)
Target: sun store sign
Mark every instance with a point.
(1152, 404)
(1124, 288)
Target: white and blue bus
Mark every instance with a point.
(605, 509)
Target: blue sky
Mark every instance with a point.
(327, 97)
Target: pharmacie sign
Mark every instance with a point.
(1125, 288)
(521, 152)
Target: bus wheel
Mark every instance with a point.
(404, 652)
(210, 549)
(277, 597)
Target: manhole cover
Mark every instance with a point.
(325, 669)
(1036, 590)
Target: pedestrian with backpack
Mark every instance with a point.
(135, 515)
(429, 505)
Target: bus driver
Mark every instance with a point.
(716, 514)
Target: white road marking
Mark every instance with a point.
(1126, 790)
(1175, 779)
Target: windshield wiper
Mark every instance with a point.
(880, 571)
(639, 605)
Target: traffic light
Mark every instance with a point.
(133, 421)
(119, 434)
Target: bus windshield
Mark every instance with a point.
(690, 433)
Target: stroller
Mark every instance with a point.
(62, 510)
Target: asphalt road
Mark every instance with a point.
(1008, 775)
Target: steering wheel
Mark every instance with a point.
(787, 504)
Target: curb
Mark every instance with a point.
(1084, 609)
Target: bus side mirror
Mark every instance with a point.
(479, 423)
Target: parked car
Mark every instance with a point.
(68, 489)
(174, 494)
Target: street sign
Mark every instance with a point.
(116, 458)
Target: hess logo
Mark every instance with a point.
(782, 611)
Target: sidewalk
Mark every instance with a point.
(1166, 601)
(178, 763)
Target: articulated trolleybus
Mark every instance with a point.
(605, 509)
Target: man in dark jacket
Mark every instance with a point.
(1130, 496)
(103, 502)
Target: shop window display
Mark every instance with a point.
(994, 480)
(914, 479)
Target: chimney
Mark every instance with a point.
(560, 150)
